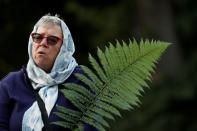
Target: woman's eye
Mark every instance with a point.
(38, 37)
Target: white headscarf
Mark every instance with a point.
(48, 83)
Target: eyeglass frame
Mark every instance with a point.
(59, 39)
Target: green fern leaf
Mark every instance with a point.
(92, 75)
(64, 124)
(64, 116)
(98, 69)
(69, 111)
(93, 123)
(103, 112)
(121, 74)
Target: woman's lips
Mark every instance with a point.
(41, 53)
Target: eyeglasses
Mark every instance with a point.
(51, 40)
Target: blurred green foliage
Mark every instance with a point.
(170, 103)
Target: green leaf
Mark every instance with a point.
(121, 74)
(64, 124)
(69, 111)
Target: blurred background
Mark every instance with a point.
(170, 103)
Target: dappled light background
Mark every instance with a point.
(169, 105)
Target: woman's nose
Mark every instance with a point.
(44, 42)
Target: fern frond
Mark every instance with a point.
(103, 112)
(92, 75)
(104, 62)
(77, 99)
(79, 89)
(121, 74)
(121, 56)
(115, 102)
(93, 123)
(107, 107)
(64, 124)
(115, 58)
(67, 117)
(96, 117)
(99, 70)
(69, 111)
(87, 81)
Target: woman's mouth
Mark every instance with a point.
(41, 53)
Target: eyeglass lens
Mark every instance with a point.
(50, 39)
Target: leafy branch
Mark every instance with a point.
(121, 74)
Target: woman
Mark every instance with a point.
(50, 64)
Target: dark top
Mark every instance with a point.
(16, 96)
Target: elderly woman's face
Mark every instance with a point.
(43, 53)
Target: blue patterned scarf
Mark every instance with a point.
(48, 83)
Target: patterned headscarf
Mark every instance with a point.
(48, 82)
